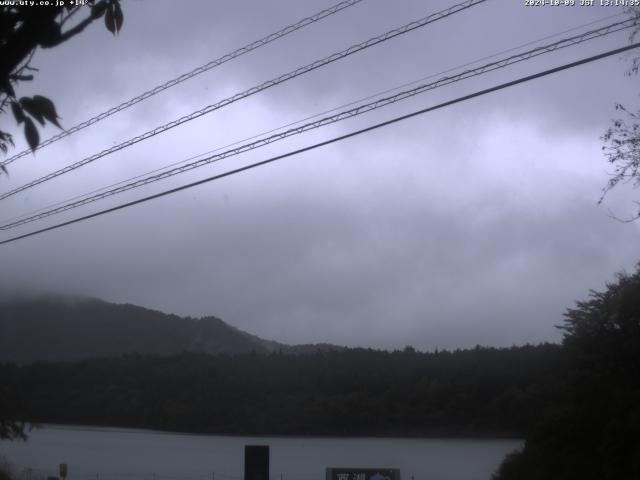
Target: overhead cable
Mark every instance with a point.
(252, 91)
(359, 110)
(330, 141)
(310, 117)
(186, 76)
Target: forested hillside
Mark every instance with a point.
(67, 329)
(482, 391)
(591, 428)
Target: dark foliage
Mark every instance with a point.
(483, 391)
(622, 139)
(593, 431)
(23, 29)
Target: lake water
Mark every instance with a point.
(117, 454)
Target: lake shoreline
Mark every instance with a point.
(106, 453)
(435, 435)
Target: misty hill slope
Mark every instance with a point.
(64, 329)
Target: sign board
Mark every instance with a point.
(256, 462)
(340, 473)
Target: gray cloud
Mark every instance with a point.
(474, 224)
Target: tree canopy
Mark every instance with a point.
(591, 430)
(23, 29)
(622, 139)
(478, 392)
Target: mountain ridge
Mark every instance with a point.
(58, 328)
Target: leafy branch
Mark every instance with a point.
(24, 29)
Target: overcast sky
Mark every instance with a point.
(474, 224)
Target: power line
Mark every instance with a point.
(316, 115)
(186, 76)
(239, 96)
(330, 141)
(325, 121)
(567, 42)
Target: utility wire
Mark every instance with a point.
(239, 96)
(84, 200)
(186, 76)
(332, 140)
(316, 115)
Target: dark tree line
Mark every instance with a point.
(592, 430)
(482, 391)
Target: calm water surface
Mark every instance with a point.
(115, 454)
